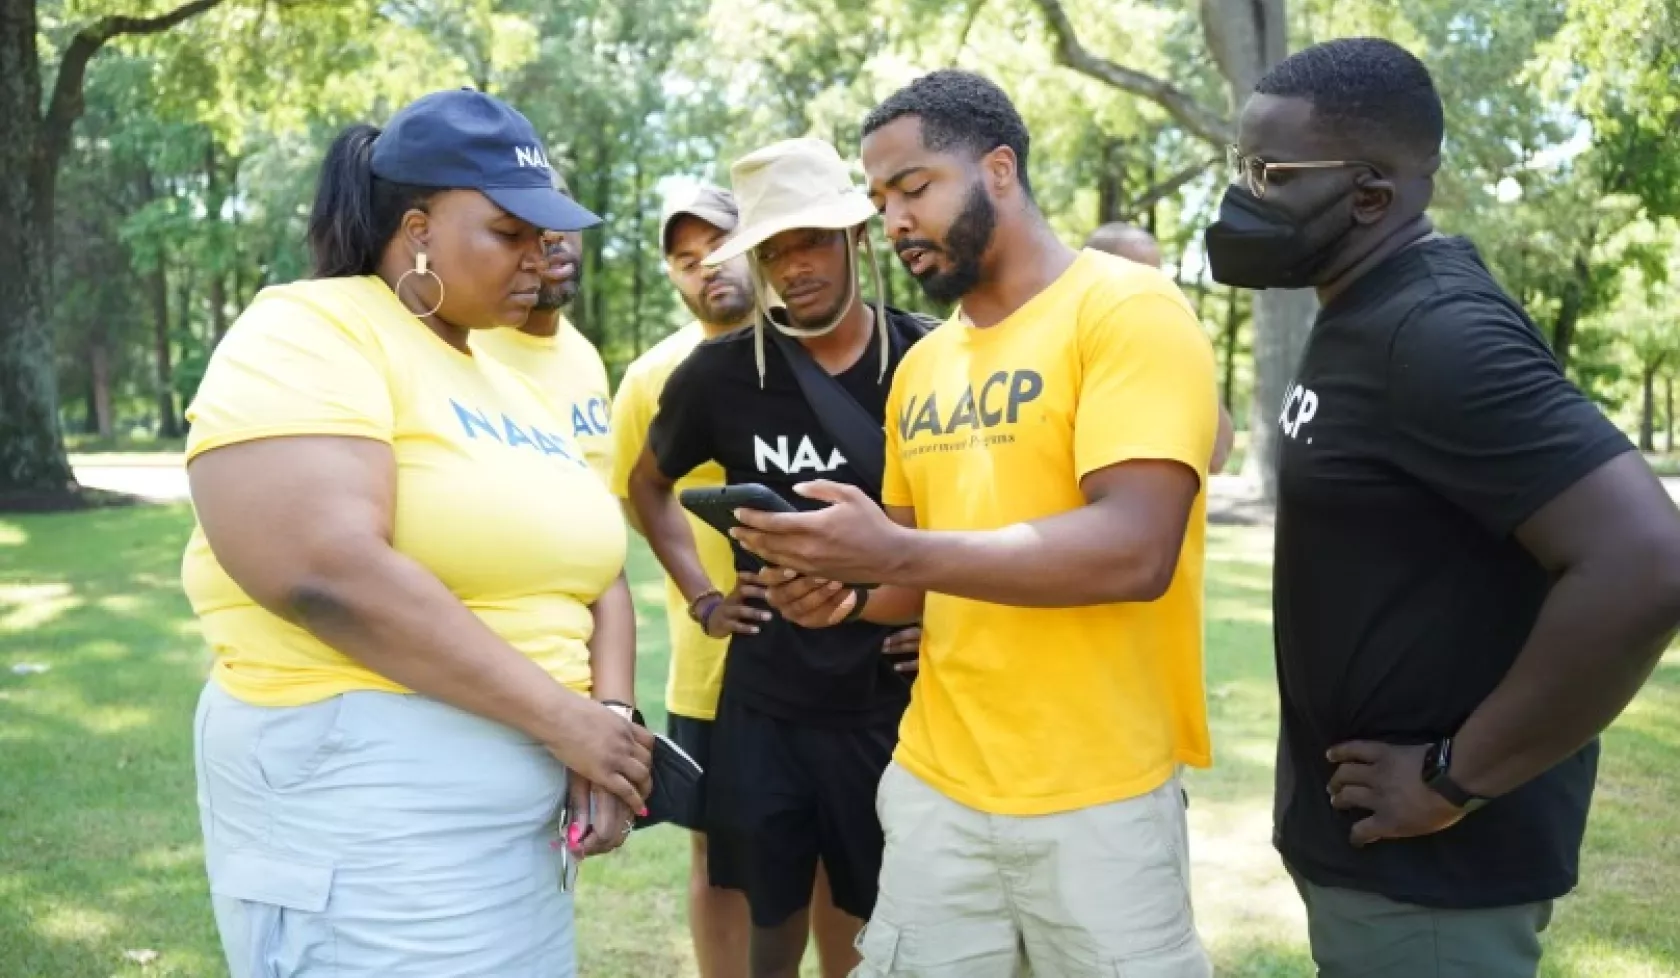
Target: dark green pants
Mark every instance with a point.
(1362, 935)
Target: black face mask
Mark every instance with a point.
(1256, 245)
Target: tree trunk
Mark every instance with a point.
(219, 177)
(1228, 384)
(1569, 311)
(218, 307)
(591, 304)
(1648, 409)
(34, 472)
(1282, 320)
(1111, 180)
(1247, 37)
(1146, 215)
(637, 237)
(99, 386)
(33, 469)
(90, 409)
(157, 285)
(1668, 413)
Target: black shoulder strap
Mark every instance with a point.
(922, 323)
(859, 438)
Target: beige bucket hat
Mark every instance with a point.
(797, 183)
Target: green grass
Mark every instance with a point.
(1665, 464)
(99, 847)
(125, 444)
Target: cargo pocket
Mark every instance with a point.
(271, 914)
(877, 944)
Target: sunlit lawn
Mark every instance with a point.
(99, 850)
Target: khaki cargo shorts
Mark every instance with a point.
(1101, 891)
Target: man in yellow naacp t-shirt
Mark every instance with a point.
(550, 351)
(1046, 458)
(720, 298)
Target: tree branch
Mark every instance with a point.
(1196, 119)
(974, 8)
(67, 104)
(1161, 191)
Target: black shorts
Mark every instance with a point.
(724, 859)
(785, 795)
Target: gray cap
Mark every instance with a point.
(710, 203)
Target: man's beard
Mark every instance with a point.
(731, 311)
(964, 244)
(560, 294)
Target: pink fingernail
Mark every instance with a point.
(574, 835)
(642, 813)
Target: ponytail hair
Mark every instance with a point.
(355, 213)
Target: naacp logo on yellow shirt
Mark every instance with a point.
(476, 423)
(977, 413)
(590, 418)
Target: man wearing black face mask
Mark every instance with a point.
(1474, 571)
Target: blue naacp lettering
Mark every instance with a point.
(477, 424)
(590, 418)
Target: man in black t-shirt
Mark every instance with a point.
(1474, 571)
(808, 718)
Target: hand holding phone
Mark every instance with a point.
(716, 505)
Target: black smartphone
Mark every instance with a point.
(717, 504)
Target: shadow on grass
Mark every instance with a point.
(100, 837)
(1261, 959)
(98, 821)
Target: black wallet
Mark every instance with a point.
(676, 795)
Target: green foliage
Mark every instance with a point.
(198, 151)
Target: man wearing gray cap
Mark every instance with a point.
(695, 220)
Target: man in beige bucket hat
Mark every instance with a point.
(807, 718)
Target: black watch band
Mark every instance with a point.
(634, 715)
(1436, 762)
(862, 594)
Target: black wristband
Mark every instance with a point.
(1436, 762)
(862, 594)
(635, 714)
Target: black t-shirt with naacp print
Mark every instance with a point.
(1427, 421)
(714, 409)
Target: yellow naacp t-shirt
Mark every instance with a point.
(568, 368)
(1032, 711)
(492, 494)
(696, 658)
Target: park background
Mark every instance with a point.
(156, 164)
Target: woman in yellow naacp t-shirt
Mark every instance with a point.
(411, 582)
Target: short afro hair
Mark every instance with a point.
(1368, 89)
(959, 108)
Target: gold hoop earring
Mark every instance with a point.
(421, 267)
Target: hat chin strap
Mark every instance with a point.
(767, 312)
(790, 328)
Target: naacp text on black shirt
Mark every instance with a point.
(713, 409)
(1426, 422)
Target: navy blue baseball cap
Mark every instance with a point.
(467, 139)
